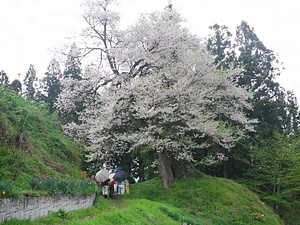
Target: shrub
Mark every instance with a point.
(8, 189)
(61, 213)
(64, 186)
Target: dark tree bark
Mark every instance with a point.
(225, 169)
(170, 168)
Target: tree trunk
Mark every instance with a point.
(170, 168)
(225, 169)
(165, 169)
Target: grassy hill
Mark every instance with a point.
(32, 143)
(199, 200)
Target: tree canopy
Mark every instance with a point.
(157, 87)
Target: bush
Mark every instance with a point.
(50, 186)
(64, 186)
(8, 189)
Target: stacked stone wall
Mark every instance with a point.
(34, 207)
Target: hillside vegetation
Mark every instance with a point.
(199, 200)
(32, 143)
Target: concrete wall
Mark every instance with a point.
(34, 207)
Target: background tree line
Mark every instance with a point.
(268, 161)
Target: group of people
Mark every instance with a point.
(115, 184)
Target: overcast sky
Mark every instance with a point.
(30, 29)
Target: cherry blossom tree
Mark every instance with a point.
(156, 86)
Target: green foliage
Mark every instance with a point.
(194, 201)
(218, 201)
(49, 186)
(274, 171)
(51, 86)
(32, 143)
(61, 213)
(30, 83)
(64, 186)
(16, 222)
(8, 189)
(3, 78)
(275, 174)
(178, 216)
(73, 64)
(16, 86)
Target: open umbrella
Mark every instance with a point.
(102, 175)
(120, 175)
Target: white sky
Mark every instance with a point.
(29, 29)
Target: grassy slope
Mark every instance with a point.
(32, 143)
(47, 152)
(202, 200)
(214, 200)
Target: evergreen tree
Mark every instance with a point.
(220, 46)
(51, 84)
(73, 64)
(71, 77)
(16, 85)
(260, 69)
(4, 78)
(274, 172)
(276, 110)
(30, 83)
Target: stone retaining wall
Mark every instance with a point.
(34, 207)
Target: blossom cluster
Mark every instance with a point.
(163, 91)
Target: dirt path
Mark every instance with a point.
(118, 201)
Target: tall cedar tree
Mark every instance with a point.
(276, 110)
(51, 84)
(269, 160)
(30, 83)
(4, 78)
(72, 74)
(73, 64)
(16, 86)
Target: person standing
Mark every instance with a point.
(127, 184)
(120, 177)
(111, 184)
(104, 186)
(121, 187)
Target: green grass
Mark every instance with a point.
(198, 201)
(32, 143)
(215, 200)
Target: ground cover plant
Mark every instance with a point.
(199, 200)
(32, 143)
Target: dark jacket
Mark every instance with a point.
(105, 183)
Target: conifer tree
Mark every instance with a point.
(276, 110)
(4, 78)
(51, 84)
(30, 83)
(16, 85)
(71, 77)
(73, 64)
